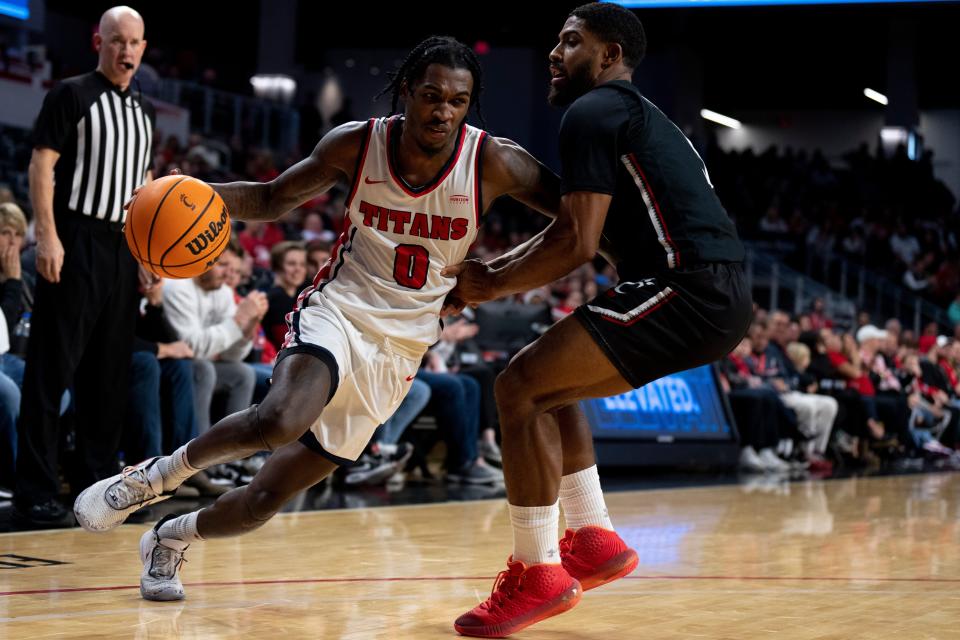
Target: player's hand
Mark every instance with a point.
(177, 349)
(452, 306)
(126, 205)
(148, 280)
(10, 262)
(49, 256)
(476, 282)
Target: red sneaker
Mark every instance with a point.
(820, 465)
(520, 597)
(596, 556)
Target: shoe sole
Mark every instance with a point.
(561, 604)
(617, 567)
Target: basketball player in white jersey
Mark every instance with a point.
(357, 335)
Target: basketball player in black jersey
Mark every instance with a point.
(634, 190)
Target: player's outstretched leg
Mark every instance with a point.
(296, 399)
(290, 470)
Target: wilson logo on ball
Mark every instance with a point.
(186, 202)
(208, 235)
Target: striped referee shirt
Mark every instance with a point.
(105, 140)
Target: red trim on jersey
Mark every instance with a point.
(322, 275)
(437, 182)
(656, 206)
(643, 315)
(478, 177)
(363, 158)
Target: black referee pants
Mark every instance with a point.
(81, 336)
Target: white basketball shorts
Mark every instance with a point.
(370, 380)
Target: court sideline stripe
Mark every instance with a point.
(448, 578)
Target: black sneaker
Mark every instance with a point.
(377, 468)
(46, 515)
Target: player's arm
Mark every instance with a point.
(509, 170)
(332, 161)
(571, 240)
(588, 151)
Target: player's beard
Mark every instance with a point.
(578, 81)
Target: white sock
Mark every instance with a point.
(535, 536)
(183, 528)
(175, 468)
(582, 500)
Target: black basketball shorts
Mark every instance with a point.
(670, 322)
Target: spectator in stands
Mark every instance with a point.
(818, 316)
(288, 260)
(314, 228)
(160, 409)
(220, 332)
(160, 396)
(262, 354)
(816, 447)
(815, 413)
(854, 245)
(891, 404)
(930, 418)
(905, 246)
(928, 338)
(258, 238)
(916, 279)
(462, 355)
(13, 224)
(772, 222)
(844, 355)
(16, 293)
(894, 330)
(455, 402)
(761, 416)
(318, 252)
(953, 311)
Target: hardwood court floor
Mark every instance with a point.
(859, 558)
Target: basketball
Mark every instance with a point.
(177, 226)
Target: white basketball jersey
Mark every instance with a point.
(384, 272)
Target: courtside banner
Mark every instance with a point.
(680, 407)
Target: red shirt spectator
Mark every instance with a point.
(861, 383)
(258, 238)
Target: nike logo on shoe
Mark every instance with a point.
(410, 378)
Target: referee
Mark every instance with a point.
(93, 144)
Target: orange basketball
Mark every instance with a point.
(177, 226)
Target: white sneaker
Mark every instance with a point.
(771, 462)
(490, 452)
(107, 503)
(750, 461)
(161, 557)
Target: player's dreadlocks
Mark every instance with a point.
(442, 50)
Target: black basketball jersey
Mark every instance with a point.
(104, 136)
(664, 212)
